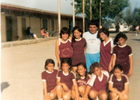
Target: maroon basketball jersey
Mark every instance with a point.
(97, 83)
(65, 49)
(78, 51)
(122, 57)
(50, 78)
(105, 54)
(67, 79)
(82, 81)
(119, 84)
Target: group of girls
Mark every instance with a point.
(78, 84)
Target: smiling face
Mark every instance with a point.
(50, 67)
(97, 71)
(65, 36)
(93, 29)
(103, 36)
(118, 73)
(65, 67)
(81, 70)
(77, 34)
(121, 41)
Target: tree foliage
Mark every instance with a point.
(109, 8)
(132, 17)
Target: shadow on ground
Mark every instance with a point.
(136, 39)
(4, 85)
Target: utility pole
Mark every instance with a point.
(73, 14)
(100, 15)
(90, 9)
(83, 16)
(59, 17)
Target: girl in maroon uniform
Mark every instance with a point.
(78, 45)
(63, 46)
(98, 83)
(65, 80)
(106, 48)
(118, 84)
(82, 79)
(49, 80)
(122, 54)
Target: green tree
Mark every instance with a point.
(128, 17)
(132, 17)
(109, 8)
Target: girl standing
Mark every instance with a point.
(106, 48)
(82, 79)
(49, 80)
(65, 80)
(118, 84)
(78, 45)
(63, 46)
(122, 54)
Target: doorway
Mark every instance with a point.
(8, 28)
(11, 28)
(24, 34)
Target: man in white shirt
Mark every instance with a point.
(93, 44)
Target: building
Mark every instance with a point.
(15, 20)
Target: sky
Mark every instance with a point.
(51, 5)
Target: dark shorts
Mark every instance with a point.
(65, 58)
(74, 66)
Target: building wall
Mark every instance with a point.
(56, 24)
(14, 28)
(3, 27)
(35, 26)
(65, 23)
(19, 26)
(18, 16)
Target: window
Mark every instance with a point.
(12, 12)
(7, 12)
(26, 14)
(2, 9)
(22, 13)
(18, 13)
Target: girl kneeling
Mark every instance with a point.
(65, 80)
(118, 84)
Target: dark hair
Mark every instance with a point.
(66, 60)
(93, 22)
(28, 28)
(93, 66)
(118, 66)
(76, 28)
(42, 28)
(48, 61)
(118, 36)
(64, 30)
(104, 30)
(86, 74)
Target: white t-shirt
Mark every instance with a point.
(93, 43)
(121, 28)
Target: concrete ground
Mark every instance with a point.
(21, 68)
